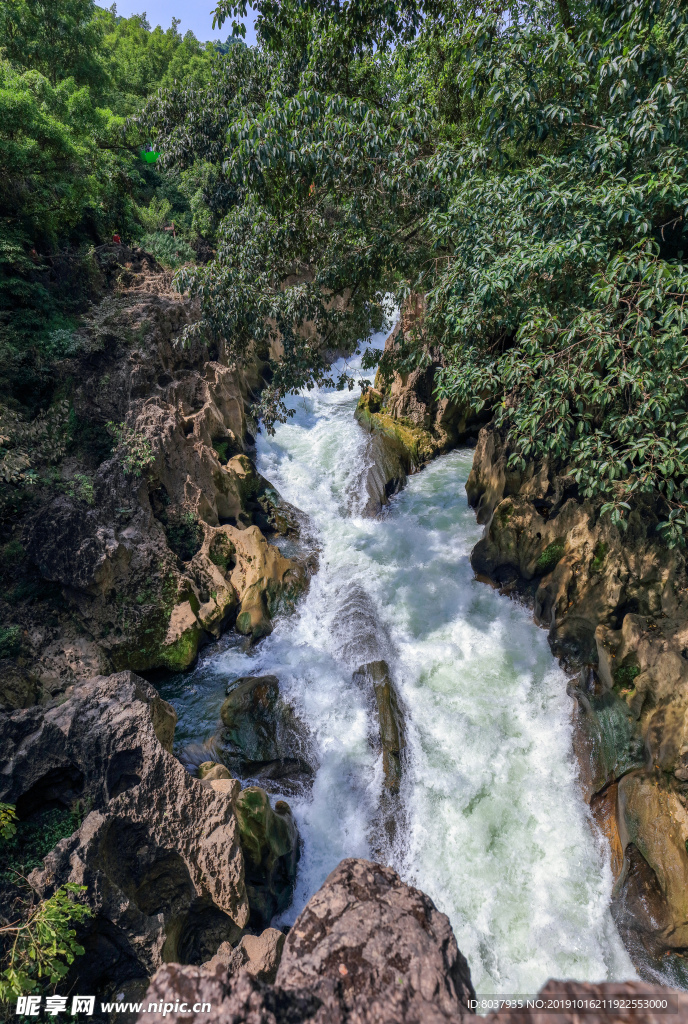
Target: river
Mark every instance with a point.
(493, 827)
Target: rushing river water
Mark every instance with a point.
(493, 827)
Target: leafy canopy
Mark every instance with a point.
(522, 165)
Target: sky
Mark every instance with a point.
(193, 14)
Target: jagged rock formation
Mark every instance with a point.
(260, 955)
(366, 948)
(174, 866)
(617, 605)
(151, 565)
(408, 425)
(263, 739)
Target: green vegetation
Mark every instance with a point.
(73, 77)
(8, 817)
(522, 166)
(598, 556)
(43, 944)
(132, 448)
(37, 949)
(32, 839)
(550, 556)
(625, 675)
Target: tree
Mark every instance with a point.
(523, 165)
(59, 38)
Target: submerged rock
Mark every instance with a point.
(390, 718)
(263, 739)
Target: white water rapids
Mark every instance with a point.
(494, 827)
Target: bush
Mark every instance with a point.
(44, 943)
(24, 848)
(171, 252)
(133, 450)
(10, 641)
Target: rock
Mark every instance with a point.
(377, 949)
(391, 723)
(226, 999)
(263, 740)
(160, 854)
(264, 953)
(367, 949)
(211, 770)
(651, 896)
(270, 843)
(260, 955)
(584, 994)
(152, 567)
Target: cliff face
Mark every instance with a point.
(408, 425)
(157, 548)
(616, 607)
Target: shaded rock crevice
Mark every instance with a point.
(173, 866)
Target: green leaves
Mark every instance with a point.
(44, 943)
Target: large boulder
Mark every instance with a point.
(263, 740)
(366, 949)
(159, 852)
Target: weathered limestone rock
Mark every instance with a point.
(154, 565)
(260, 955)
(408, 425)
(263, 740)
(210, 771)
(160, 853)
(366, 949)
(376, 948)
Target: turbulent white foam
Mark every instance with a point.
(496, 831)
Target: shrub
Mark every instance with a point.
(549, 557)
(171, 252)
(10, 641)
(133, 449)
(44, 943)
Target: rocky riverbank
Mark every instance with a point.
(616, 607)
(615, 604)
(139, 558)
(368, 949)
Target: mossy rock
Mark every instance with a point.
(212, 770)
(598, 556)
(270, 843)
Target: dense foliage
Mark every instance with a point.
(71, 76)
(521, 165)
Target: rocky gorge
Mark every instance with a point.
(185, 867)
